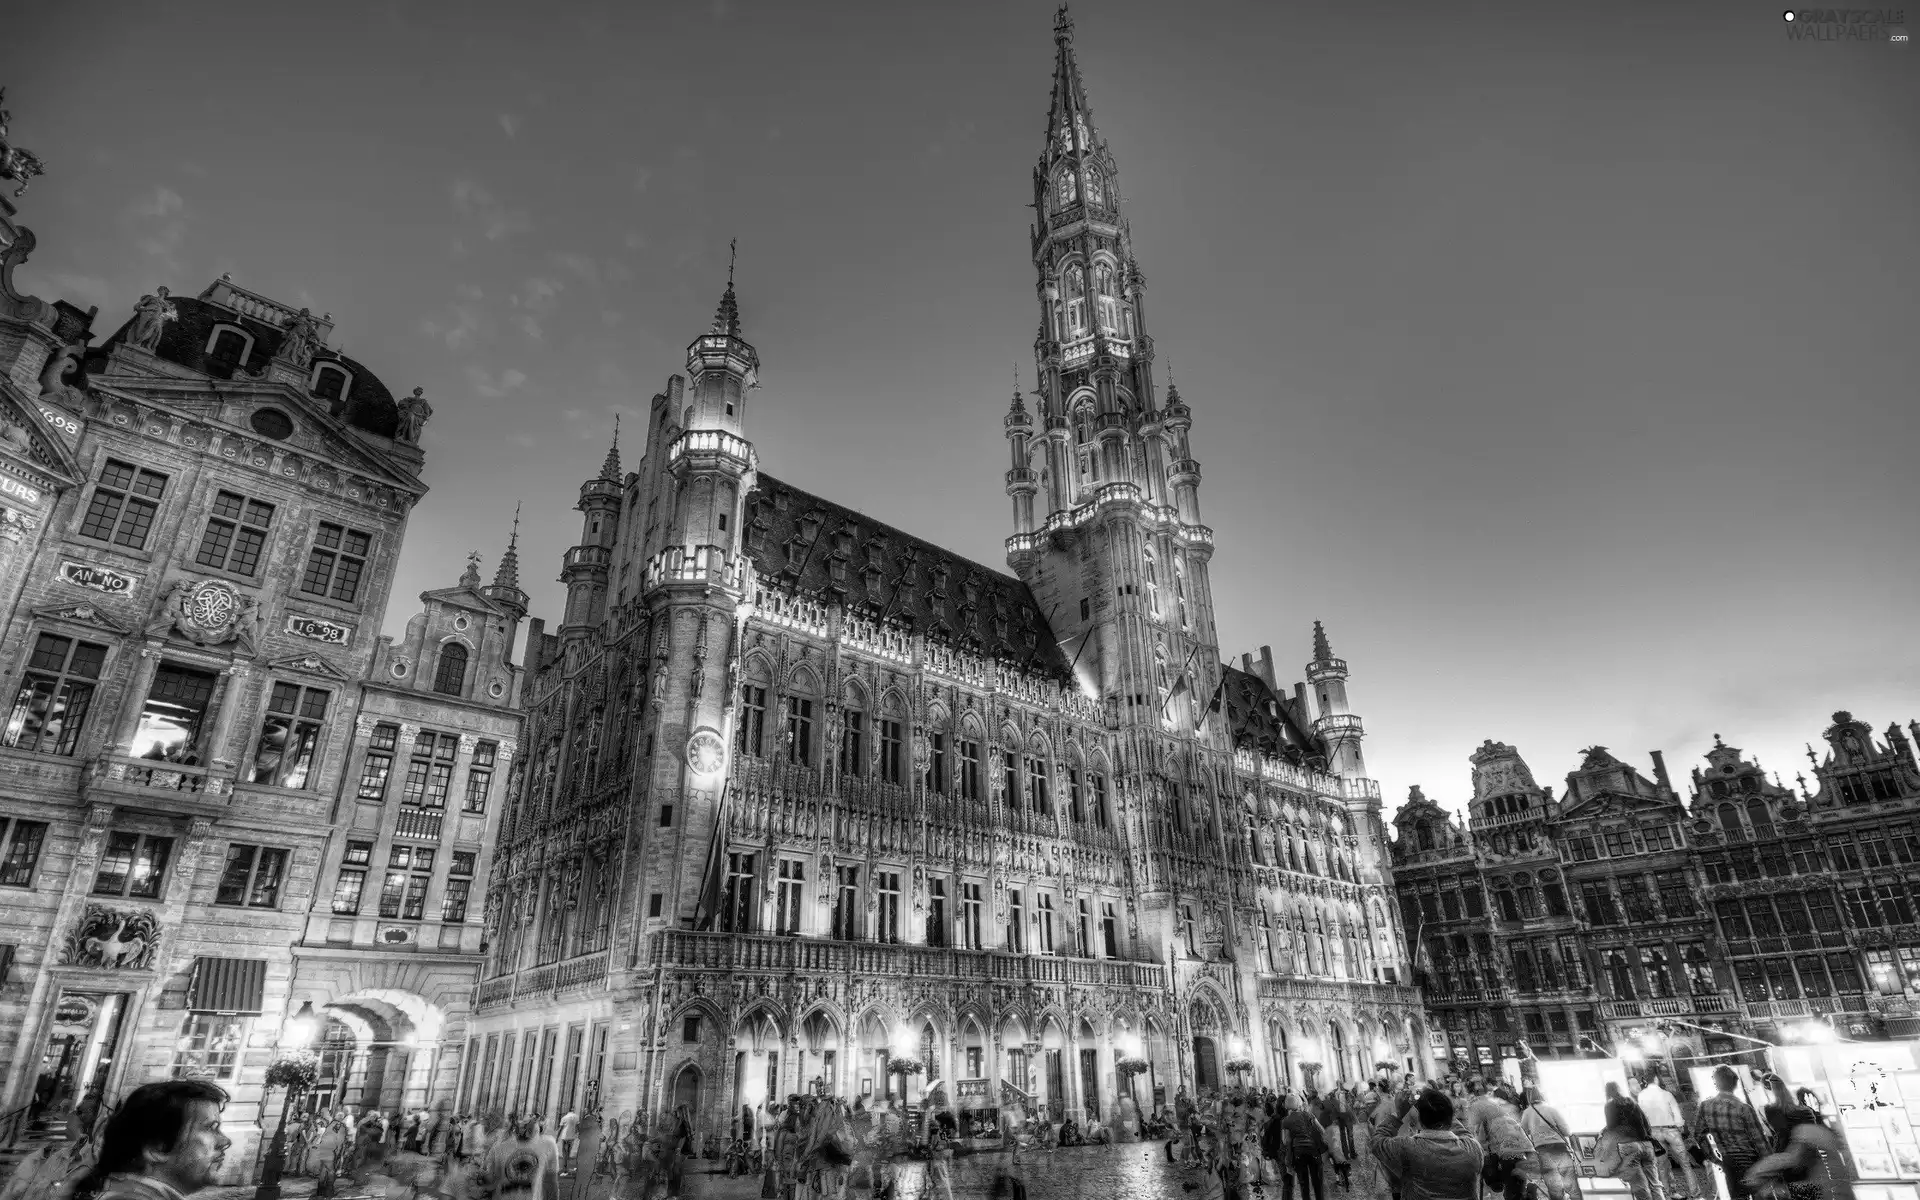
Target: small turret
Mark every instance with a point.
(1327, 677)
(1022, 480)
(586, 567)
(505, 588)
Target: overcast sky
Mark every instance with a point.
(1556, 355)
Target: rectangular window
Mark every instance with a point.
(1100, 814)
(22, 840)
(1109, 929)
(480, 777)
(653, 904)
(891, 760)
(252, 877)
(1010, 774)
(453, 909)
(1187, 929)
(416, 902)
(1599, 903)
(346, 892)
(1083, 941)
(1016, 921)
(378, 764)
(751, 734)
(1675, 896)
(969, 770)
(1760, 916)
(1846, 974)
(1075, 810)
(887, 910)
(55, 694)
(430, 770)
(800, 731)
(1638, 899)
(124, 504)
(1043, 906)
(1037, 787)
(336, 563)
(1733, 919)
(134, 865)
(970, 910)
(210, 1045)
(937, 766)
(235, 535)
(392, 892)
(852, 742)
(290, 736)
(846, 904)
(1820, 907)
(937, 912)
(737, 907)
(791, 898)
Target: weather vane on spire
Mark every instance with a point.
(733, 256)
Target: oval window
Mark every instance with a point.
(271, 423)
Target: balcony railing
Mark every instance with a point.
(767, 952)
(1288, 988)
(710, 441)
(156, 778)
(1669, 1006)
(421, 823)
(695, 564)
(548, 980)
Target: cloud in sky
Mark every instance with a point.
(157, 223)
(488, 384)
(511, 125)
(495, 218)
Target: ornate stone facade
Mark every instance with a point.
(807, 795)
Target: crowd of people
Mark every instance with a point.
(1459, 1139)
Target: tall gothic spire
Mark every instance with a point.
(1322, 652)
(610, 469)
(1070, 112)
(507, 574)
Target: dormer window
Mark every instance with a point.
(227, 351)
(330, 385)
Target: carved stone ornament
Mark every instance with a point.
(210, 612)
(706, 752)
(112, 938)
(97, 578)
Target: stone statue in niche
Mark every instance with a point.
(301, 338)
(150, 318)
(414, 414)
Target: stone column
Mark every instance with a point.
(135, 698)
(16, 552)
(232, 697)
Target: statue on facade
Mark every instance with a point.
(57, 378)
(17, 163)
(302, 334)
(414, 413)
(150, 317)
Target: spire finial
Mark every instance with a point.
(610, 469)
(1322, 652)
(507, 574)
(1062, 25)
(733, 256)
(471, 576)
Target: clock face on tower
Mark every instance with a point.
(706, 753)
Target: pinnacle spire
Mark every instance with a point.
(1069, 113)
(1322, 652)
(610, 469)
(726, 319)
(507, 574)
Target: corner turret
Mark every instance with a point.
(1327, 678)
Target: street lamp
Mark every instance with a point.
(295, 1069)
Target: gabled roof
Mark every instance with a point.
(831, 552)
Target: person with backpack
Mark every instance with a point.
(1626, 1148)
(1553, 1168)
(1494, 1122)
(1305, 1145)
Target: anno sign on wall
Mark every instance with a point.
(100, 579)
(331, 632)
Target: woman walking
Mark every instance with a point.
(1626, 1148)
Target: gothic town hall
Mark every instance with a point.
(809, 798)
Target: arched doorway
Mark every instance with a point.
(1206, 1063)
(686, 1089)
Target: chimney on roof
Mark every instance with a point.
(1246, 663)
(1660, 769)
(1266, 667)
(1300, 709)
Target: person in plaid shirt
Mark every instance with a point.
(1739, 1137)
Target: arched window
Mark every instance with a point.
(1095, 194)
(1759, 818)
(1153, 587)
(1109, 305)
(330, 384)
(1076, 302)
(1067, 193)
(1424, 836)
(1180, 588)
(1730, 821)
(450, 676)
(229, 353)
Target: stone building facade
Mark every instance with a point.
(201, 518)
(808, 796)
(1622, 908)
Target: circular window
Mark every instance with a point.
(459, 622)
(399, 668)
(271, 422)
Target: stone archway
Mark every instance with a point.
(394, 1054)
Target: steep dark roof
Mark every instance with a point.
(833, 553)
(369, 405)
(1265, 721)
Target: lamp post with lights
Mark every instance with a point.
(293, 1068)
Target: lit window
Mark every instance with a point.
(252, 877)
(55, 693)
(133, 865)
(290, 736)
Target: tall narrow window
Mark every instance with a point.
(23, 841)
(235, 534)
(852, 742)
(480, 776)
(1103, 286)
(377, 766)
(352, 882)
(937, 765)
(450, 676)
(1010, 772)
(969, 770)
(887, 910)
(1083, 930)
(336, 563)
(1100, 815)
(1187, 930)
(846, 905)
(453, 908)
(55, 694)
(290, 736)
(800, 731)
(1037, 787)
(792, 890)
(403, 895)
(1075, 809)
(737, 906)
(970, 910)
(1109, 929)
(430, 770)
(753, 720)
(124, 504)
(1043, 904)
(1067, 190)
(1076, 303)
(890, 757)
(1016, 921)
(937, 912)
